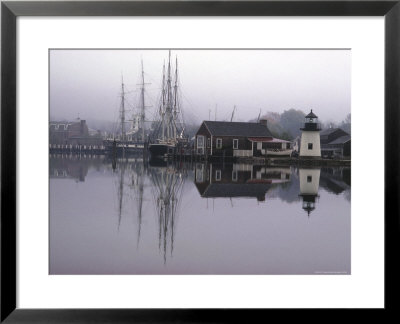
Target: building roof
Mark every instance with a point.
(227, 190)
(220, 128)
(311, 115)
(268, 140)
(63, 124)
(59, 125)
(341, 140)
(329, 131)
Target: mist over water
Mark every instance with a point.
(135, 217)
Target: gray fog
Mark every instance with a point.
(87, 83)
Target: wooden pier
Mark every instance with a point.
(190, 155)
(77, 149)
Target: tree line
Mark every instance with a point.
(287, 125)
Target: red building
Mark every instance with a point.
(72, 133)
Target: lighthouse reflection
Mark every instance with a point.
(290, 184)
(196, 218)
(309, 185)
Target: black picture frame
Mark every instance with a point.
(10, 10)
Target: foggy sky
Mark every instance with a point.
(87, 83)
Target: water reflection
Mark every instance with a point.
(167, 187)
(238, 180)
(148, 204)
(129, 183)
(309, 185)
(72, 166)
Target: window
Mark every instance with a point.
(200, 141)
(219, 143)
(217, 175)
(310, 145)
(199, 172)
(235, 144)
(200, 144)
(309, 178)
(208, 142)
(234, 175)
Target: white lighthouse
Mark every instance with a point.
(309, 185)
(310, 145)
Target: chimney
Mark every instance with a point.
(264, 122)
(83, 122)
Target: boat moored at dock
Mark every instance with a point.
(168, 136)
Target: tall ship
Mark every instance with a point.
(132, 136)
(168, 135)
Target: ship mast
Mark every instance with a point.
(123, 110)
(175, 97)
(169, 99)
(169, 105)
(142, 113)
(162, 106)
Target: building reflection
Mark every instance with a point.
(336, 180)
(238, 180)
(72, 166)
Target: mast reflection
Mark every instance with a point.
(168, 181)
(131, 174)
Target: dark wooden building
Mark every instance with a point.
(335, 142)
(330, 134)
(238, 139)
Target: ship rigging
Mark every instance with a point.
(133, 141)
(168, 136)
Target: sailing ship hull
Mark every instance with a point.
(123, 148)
(159, 150)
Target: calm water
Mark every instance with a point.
(132, 217)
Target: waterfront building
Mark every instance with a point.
(310, 137)
(72, 133)
(239, 139)
(335, 142)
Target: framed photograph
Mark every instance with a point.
(188, 161)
